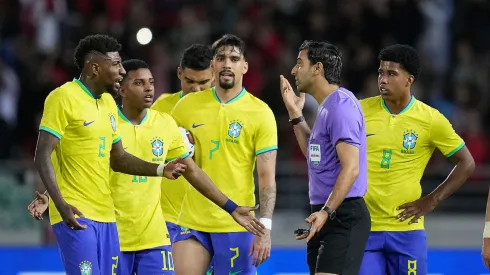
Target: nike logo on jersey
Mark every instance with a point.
(368, 135)
(235, 273)
(85, 123)
(197, 125)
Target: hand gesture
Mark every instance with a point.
(68, 213)
(174, 169)
(243, 216)
(416, 209)
(485, 252)
(317, 221)
(38, 206)
(293, 103)
(261, 248)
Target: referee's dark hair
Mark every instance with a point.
(98, 42)
(405, 55)
(229, 40)
(197, 57)
(328, 55)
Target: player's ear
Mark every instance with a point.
(245, 67)
(95, 69)
(411, 79)
(179, 73)
(211, 64)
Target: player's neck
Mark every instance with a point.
(396, 106)
(134, 115)
(227, 95)
(322, 89)
(91, 86)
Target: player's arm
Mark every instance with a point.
(46, 143)
(345, 134)
(453, 147)
(266, 171)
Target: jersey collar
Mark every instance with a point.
(145, 118)
(181, 94)
(235, 99)
(84, 88)
(409, 105)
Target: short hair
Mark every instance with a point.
(229, 40)
(197, 57)
(134, 64)
(97, 42)
(405, 55)
(328, 55)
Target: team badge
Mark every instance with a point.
(157, 147)
(113, 122)
(85, 268)
(409, 141)
(235, 129)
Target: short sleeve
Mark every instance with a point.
(443, 136)
(116, 135)
(266, 133)
(177, 146)
(344, 123)
(56, 114)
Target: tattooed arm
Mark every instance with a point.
(124, 162)
(266, 170)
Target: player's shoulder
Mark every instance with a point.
(370, 103)
(65, 93)
(191, 100)
(256, 103)
(159, 117)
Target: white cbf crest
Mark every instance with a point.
(315, 154)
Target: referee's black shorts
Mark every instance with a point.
(339, 246)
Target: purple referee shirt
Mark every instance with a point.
(339, 118)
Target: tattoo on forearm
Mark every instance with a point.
(129, 164)
(267, 197)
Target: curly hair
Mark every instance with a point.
(98, 42)
(328, 55)
(405, 55)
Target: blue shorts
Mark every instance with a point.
(229, 250)
(395, 253)
(156, 260)
(173, 230)
(94, 250)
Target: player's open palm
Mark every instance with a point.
(293, 103)
(416, 209)
(243, 216)
(174, 169)
(68, 213)
(38, 206)
(261, 248)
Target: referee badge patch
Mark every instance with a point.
(315, 154)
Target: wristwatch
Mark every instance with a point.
(331, 213)
(297, 120)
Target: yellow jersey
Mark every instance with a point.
(166, 102)
(398, 150)
(139, 217)
(87, 128)
(173, 191)
(228, 138)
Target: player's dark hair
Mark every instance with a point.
(328, 55)
(405, 55)
(197, 57)
(98, 42)
(229, 40)
(134, 64)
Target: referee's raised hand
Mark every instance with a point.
(317, 221)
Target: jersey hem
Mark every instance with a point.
(51, 131)
(265, 150)
(144, 247)
(455, 150)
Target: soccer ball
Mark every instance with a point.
(188, 140)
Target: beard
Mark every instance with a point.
(227, 85)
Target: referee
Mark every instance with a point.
(336, 152)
